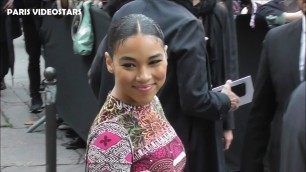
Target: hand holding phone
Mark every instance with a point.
(243, 88)
(231, 95)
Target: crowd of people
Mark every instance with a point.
(153, 75)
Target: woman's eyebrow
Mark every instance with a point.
(155, 56)
(127, 58)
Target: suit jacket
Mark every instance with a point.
(193, 110)
(278, 76)
(293, 145)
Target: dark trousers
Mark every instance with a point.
(33, 48)
(10, 29)
(4, 67)
(3, 45)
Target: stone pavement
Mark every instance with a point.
(22, 151)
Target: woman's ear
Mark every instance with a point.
(166, 48)
(109, 62)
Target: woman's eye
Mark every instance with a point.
(154, 62)
(128, 65)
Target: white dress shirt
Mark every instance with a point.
(302, 51)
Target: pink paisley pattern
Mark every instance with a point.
(133, 138)
(162, 159)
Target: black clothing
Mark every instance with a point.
(273, 87)
(31, 29)
(33, 48)
(193, 111)
(221, 43)
(114, 5)
(293, 145)
(249, 47)
(218, 21)
(9, 30)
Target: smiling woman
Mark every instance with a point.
(131, 132)
(139, 66)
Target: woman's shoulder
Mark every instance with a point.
(109, 139)
(111, 129)
(111, 125)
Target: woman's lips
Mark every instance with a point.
(144, 88)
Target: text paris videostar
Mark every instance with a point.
(43, 11)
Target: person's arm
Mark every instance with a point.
(289, 17)
(227, 139)
(274, 13)
(272, 7)
(285, 17)
(109, 148)
(195, 98)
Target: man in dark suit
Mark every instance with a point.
(195, 113)
(293, 145)
(280, 72)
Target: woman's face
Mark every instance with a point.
(139, 66)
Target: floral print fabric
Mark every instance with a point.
(133, 138)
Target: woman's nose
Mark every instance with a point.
(144, 75)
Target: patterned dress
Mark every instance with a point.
(133, 138)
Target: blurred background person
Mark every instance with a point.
(10, 29)
(293, 145)
(250, 30)
(221, 46)
(279, 12)
(222, 54)
(33, 44)
(281, 70)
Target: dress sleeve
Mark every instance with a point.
(109, 148)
